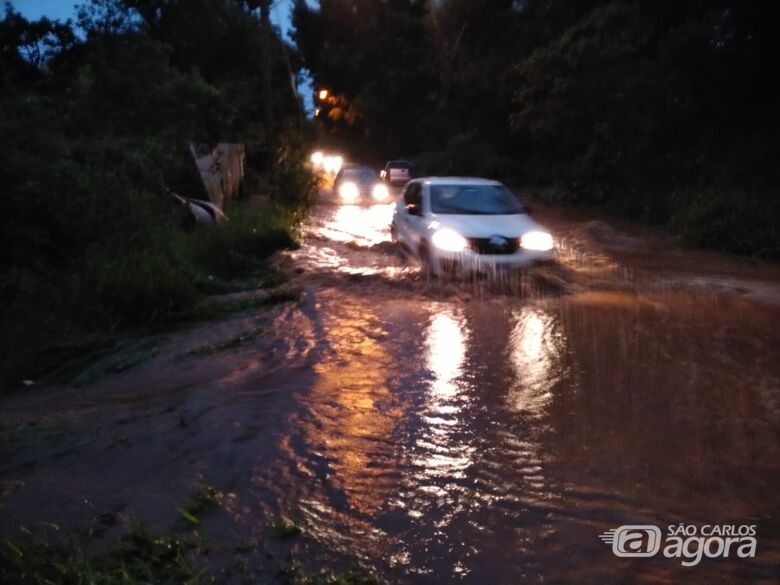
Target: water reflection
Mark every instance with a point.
(365, 226)
(536, 352)
(536, 346)
(442, 452)
(352, 411)
(446, 351)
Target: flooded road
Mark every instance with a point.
(428, 431)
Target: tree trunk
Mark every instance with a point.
(268, 104)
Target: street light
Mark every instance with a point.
(323, 94)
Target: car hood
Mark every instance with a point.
(362, 184)
(485, 226)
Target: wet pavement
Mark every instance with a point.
(427, 431)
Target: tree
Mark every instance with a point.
(373, 58)
(27, 47)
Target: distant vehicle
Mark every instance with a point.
(359, 184)
(457, 224)
(398, 172)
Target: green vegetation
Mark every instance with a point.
(138, 557)
(661, 110)
(284, 528)
(176, 558)
(96, 118)
(205, 498)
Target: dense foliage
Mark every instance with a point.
(663, 110)
(95, 118)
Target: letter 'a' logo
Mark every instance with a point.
(633, 540)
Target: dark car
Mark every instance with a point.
(356, 183)
(398, 172)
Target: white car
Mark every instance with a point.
(456, 224)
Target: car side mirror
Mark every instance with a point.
(413, 209)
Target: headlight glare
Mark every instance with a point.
(539, 241)
(332, 164)
(449, 240)
(380, 192)
(348, 192)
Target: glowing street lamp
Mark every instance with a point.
(323, 94)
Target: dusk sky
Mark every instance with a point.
(63, 9)
(54, 9)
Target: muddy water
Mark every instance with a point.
(479, 431)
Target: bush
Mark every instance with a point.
(143, 281)
(134, 287)
(235, 248)
(52, 322)
(733, 221)
(93, 138)
(292, 181)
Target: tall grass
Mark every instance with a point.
(63, 316)
(234, 248)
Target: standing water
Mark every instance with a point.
(488, 430)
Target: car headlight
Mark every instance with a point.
(541, 241)
(348, 192)
(380, 192)
(449, 240)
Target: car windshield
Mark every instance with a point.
(474, 200)
(362, 174)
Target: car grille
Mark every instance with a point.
(486, 246)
